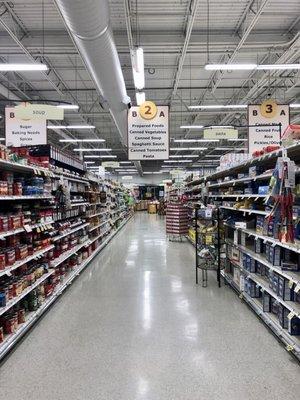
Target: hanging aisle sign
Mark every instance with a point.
(39, 111)
(220, 133)
(268, 113)
(20, 132)
(148, 132)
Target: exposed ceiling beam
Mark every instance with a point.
(193, 6)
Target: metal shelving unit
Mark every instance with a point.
(220, 180)
(86, 241)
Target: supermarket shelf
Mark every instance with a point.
(19, 263)
(31, 227)
(97, 214)
(98, 226)
(233, 182)
(92, 240)
(33, 317)
(264, 284)
(239, 196)
(25, 292)
(251, 232)
(78, 228)
(292, 343)
(17, 167)
(291, 276)
(246, 210)
(26, 198)
(69, 253)
(71, 178)
(80, 204)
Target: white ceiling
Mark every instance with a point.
(262, 31)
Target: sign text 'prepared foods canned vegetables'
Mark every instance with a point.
(148, 132)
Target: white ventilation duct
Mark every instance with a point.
(89, 24)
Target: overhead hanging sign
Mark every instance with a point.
(20, 132)
(220, 133)
(39, 112)
(148, 132)
(267, 117)
(110, 164)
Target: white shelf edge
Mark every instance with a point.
(246, 210)
(78, 228)
(290, 246)
(19, 263)
(16, 300)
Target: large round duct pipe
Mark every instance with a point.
(89, 25)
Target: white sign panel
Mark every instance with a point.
(263, 136)
(148, 139)
(19, 132)
(220, 133)
(39, 111)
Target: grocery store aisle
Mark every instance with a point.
(135, 326)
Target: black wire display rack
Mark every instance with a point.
(208, 244)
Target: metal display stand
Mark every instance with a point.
(208, 255)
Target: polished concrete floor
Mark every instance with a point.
(135, 326)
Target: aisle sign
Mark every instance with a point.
(38, 112)
(148, 132)
(267, 113)
(20, 132)
(110, 164)
(220, 133)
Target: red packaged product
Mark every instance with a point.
(2, 261)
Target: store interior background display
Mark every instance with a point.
(186, 114)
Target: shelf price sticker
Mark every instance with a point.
(297, 288)
(291, 315)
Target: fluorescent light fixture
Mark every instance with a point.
(211, 155)
(278, 66)
(70, 126)
(186, 155)
(178, 161)
(2, 139)
(137, 61)
(220, 126)
(153, 173)
(295, 105)
(195, 140)
(89, 162)
(218, 106)
(231, 148)
(81, 140)
(81, 127)
(23, 67)
(191, 126)
(101, 149)
(126, 173)
(125, 162)
(140, 98)
(237, 140)
(68, 106)
(102, 156)
(206, 161)
(236, 67)
(188, 148)
(229, 67)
